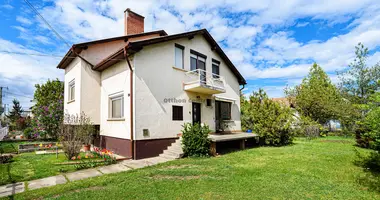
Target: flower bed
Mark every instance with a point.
(92, 159)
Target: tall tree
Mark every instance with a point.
(358, 82)
(16, 111)
(270, 120)
(48, 110)
(316, 97)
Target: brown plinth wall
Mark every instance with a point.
(119, 146)
(142, 148)
(151, 148)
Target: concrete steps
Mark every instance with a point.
(174, 151)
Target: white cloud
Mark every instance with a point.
(24, 20)
(255, 37)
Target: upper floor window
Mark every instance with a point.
(116, 106)
(179, 56)
(197, 61)
(72, 90)
(215, 68)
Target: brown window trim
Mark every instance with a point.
(179, 46)
(198, 54)
(215, 61)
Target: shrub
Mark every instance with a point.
(76, 130)
(195, 140)
(28, 133)
(270, 120)
(306, 127)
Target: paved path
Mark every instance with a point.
(11, 189)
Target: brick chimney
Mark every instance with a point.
(133, 22)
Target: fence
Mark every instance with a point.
(3, 132)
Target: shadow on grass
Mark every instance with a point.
(371, 167)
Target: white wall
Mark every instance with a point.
(115, 79)
(87, 90)
(156, 80)
(90, 92)
(73, 71)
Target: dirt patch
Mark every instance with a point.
(335, 141)
(180, 166)
(161, 177)
(79, 190)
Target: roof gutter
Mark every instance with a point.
(131, 102)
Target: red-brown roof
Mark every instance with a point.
(76, 49)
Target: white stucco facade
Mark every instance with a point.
(115, 81)
(157, 81)
(157, 85)
(87, 90)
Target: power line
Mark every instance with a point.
(47, 23)
(21, 95)
(48, 55)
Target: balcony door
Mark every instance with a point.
(198, 61)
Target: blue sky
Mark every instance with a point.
(272, 43)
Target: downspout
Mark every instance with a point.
(131, 101)
(242, 87)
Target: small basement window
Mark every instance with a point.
(177, 113)
(72, 90)
(116, 107)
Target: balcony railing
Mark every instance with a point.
(204, 82)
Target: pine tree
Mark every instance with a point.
(16, 111)
(358, 81)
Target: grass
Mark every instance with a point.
(318, 169)
(29, 166)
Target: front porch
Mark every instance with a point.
(235, 136)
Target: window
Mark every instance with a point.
(225, 110)
(197, 61)
(215, 68)
(177, 113)
(72, 90)
(179, 56)
(117, 107)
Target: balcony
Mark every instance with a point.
(204, 82)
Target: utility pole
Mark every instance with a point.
(1, 99)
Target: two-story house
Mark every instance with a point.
(142, 87)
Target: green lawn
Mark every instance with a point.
(29, 166)
(320, 169)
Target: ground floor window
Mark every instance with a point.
(177, 113)
(223, 110)
(116, 106)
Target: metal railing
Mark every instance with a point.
(205, 78)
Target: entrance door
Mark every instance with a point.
(196, 113)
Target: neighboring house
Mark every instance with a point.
(27, 113)
(142, 87)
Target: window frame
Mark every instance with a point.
(229, 110)
(71, 95)
(178, 46)
(177, 116)
(113, 98)
(215, 63)
(199, 58)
